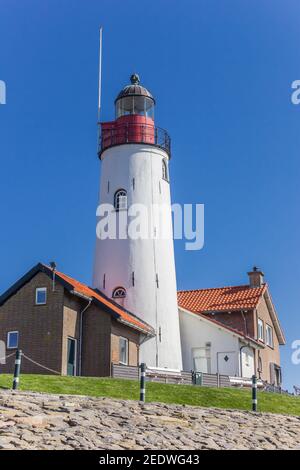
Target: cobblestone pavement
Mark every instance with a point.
(41, 421)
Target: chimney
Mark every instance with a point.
(256, 277)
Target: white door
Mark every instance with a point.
(201, 359)
(247, 362)
(227, 363)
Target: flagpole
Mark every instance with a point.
(100, 73)
(99, 88)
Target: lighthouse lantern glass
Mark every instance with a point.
(135, 104)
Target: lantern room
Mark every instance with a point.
(134, 120)
(135, 99)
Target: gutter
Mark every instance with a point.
(245, 322)
(148, 334)
(89, 299)
(80, 334)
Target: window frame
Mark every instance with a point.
(75, 355)
(165, 170)
(117, 195)
(127, 350)
(260, 323)
(7, 339)
(41, 289)
(114, 296)
(271, 343)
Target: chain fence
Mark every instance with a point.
(4, 358)
(39, 364)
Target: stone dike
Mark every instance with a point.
(42, 421)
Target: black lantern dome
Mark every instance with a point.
(134, 99)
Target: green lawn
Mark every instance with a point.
(180, 394)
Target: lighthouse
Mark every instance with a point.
(138, 272)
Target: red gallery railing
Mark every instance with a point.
(112, 135)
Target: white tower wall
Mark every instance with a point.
(137, 168)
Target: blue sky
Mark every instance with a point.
(221, 73)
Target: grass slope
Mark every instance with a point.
(179, 394)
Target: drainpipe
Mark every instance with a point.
(89, 300)
(81, 335)
(245, 322)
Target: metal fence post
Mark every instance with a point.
(254, 393)
(143, 382)
(17, 369)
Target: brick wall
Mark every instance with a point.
(133, 343)
(44, 331)
(243, 322)
(39, 326)
(268, 354)
(96, 343)
(71, 327)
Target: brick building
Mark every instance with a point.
(246, 311)
(73, 329)
(67, 326)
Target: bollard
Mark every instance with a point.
(143, 382)
(17, 369)
(254, 393)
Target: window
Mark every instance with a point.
(165, 170)
(12, 339)
(41, 296)
(260, 329)
(119, 293)
(269, 336)
(123, 345)
(120, 200)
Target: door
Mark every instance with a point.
(71, 356)
(227, 363)
(201, 359)
(247, 358)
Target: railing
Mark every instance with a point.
(210, 380)
(275, 389)
(236, 381)
(134, 133)
(133, 372)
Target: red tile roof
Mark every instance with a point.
(221, 299)
(125, 316)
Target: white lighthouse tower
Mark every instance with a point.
(139, 272)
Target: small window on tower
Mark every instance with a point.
(120, 200)
(165, 170)
(119, 293)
